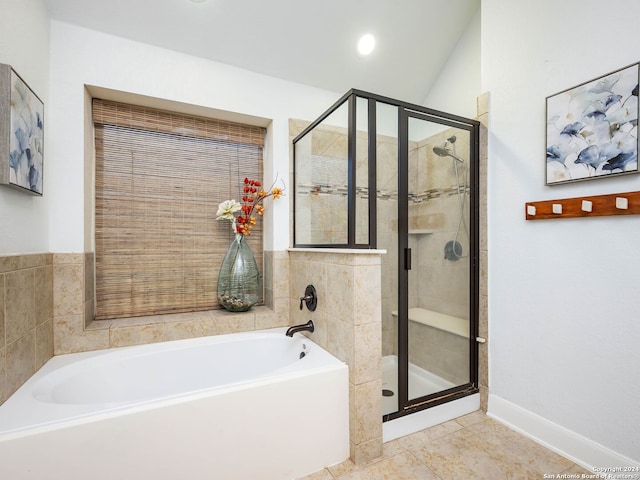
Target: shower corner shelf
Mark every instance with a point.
(627, 203)
(421, 232)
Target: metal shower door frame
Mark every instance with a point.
(407, 406)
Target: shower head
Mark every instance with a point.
(441, 151)
(444, 152)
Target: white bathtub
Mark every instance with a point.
(240, 406)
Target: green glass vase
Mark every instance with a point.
(239, 285)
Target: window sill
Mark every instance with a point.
(206, 315)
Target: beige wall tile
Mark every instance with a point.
(159, 332)
(367, 353)
(25, 308)
(20, 361)
(368, 421)
(268, 297)
(271, 319)
(32, 260)
(227, 322)
(8, 263)
(340, 340)
(43, 293)
(484, 398)
(321, 333)
(267, 276)
(89, 312)
(68, 289)
(44, 343)
(483, 314)
(482, 104)
(2, 306)
(340, 292)
(68, 258)
(280, 274)
(20, 312)
(366, 295)
(365, 452)
(89, 274)
(69, 336)
(4, 391)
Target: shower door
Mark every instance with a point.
(437, 250)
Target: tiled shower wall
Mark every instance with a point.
(26, 318)
(434, 215)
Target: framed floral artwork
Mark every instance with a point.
(21, 134)
(592, 129)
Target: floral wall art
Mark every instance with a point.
(21, 134)
(592, 129)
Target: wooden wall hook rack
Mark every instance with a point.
(627, 203)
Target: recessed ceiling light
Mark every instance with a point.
(366, 44)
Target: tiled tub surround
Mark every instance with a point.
(348, 325)
(47, 308)
(26, 318)
(75, 330)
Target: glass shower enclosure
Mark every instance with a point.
(374, 172)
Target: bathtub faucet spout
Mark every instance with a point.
(305, 327)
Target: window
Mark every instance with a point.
(159, 179)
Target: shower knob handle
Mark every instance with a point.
(310, 298)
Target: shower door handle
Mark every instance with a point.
(407, 259)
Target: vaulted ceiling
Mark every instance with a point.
(309, 42)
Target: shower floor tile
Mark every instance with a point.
(470, 447)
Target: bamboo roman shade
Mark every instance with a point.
(160, 177)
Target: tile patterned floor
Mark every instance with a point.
(469, 447)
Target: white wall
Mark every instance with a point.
(458, 84)
(82, 57)
(564, 312)
(24, 44)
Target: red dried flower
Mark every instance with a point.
(252, 200)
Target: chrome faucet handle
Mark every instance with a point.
(310, 298)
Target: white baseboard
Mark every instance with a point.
(586, 453)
